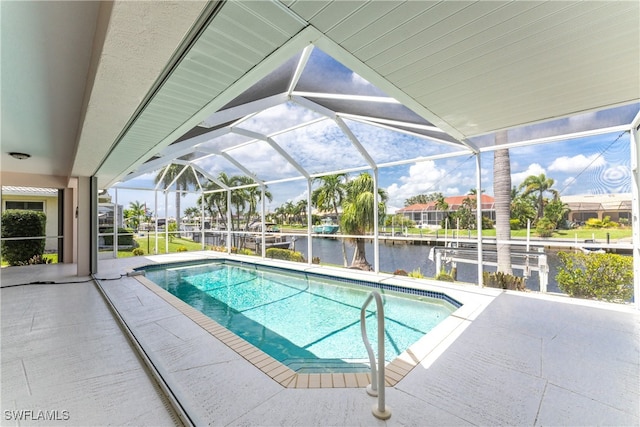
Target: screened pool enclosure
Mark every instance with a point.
(313, 117)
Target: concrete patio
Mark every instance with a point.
(526, 359)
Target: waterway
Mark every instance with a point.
(409, 257)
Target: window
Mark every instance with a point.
(29, 206)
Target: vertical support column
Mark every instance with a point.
(479, 215)
(115, 225)
(376, 220)
(634, 142)
(263, 246)
(59, 241)
(166, 221)
(87, 235)
(228, 221)
(309, 224)
(155, 207)
(202, 235)
(69, 222)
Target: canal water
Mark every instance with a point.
(410, 257)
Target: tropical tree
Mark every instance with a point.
(422, 199)
(556, 212)
(136, 211)
(252, 196)
(289, 210)
(539, 185)
(442, 208)
(215, 203)
(502, 194)
(192, 212)
(523, 208)
(301, 209)
(183, 181)
(329, 195)
(358, 214)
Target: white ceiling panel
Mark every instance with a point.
(156, 70)
(211, 68)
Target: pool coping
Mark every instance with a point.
(395, 371)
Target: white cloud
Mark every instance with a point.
(359, 80)
(426, 177)
(577, 163)
(532, 169)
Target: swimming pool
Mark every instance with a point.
(309, 322)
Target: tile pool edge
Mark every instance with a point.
(395, 371)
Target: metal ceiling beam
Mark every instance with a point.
(234, 113)
(380, 124)
(302, 63)
(242, 168)
(354, 140)
(209, 176)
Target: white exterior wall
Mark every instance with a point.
(50, 209)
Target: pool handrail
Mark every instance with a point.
(376, 388)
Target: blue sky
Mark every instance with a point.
(595, 165)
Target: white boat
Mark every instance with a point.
(326, 227)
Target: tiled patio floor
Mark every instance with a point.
(525, 360)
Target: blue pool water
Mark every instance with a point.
(309, 322)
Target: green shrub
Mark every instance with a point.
(416, 274)
(37, 259)
(601, 223)
(171, 228)
(545, 227)
(503, 281)
(444, 277)
(125, 237)
(138, 252)
(182, 249)
(515, 224)
(606, 277)
(21, 223)
(284, 254)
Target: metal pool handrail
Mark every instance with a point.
(376, 388)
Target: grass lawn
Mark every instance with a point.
(148, 245)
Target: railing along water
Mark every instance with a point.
(376, 388)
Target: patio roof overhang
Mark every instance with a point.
(467, 71)
(448, 73)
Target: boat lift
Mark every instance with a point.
(466, 253)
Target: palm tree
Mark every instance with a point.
(182, 183)
(441, 206)
(216, 203)
(502, 194)
(289, 211)
(328, 196)
(539, 185)
(301, 209)
(358, 214)
(135, 211)
(192, 212)
(253, 196)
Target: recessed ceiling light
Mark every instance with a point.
(19, 156)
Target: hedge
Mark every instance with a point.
(284, 254)
(606, 277)
(22, 223)
(125, 237)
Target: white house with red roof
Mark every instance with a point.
(427, 215)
